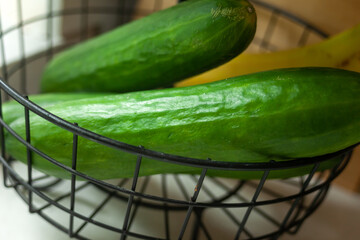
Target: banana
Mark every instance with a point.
(339, 51)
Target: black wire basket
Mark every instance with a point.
(169, 206)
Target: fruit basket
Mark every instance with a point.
(168, 206)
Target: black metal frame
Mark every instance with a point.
(27, 186)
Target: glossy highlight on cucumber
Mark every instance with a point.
(12, 110)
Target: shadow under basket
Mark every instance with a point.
(168, 206)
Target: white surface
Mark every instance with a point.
(35, 33)
(337, 218)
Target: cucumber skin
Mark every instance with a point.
(280, 114)
(157, 50)
(12, 110)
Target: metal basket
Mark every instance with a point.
(162, 206)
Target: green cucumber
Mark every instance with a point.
(157, 50)
(280, 114)
(12, 110)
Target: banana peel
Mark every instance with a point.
(339, 51)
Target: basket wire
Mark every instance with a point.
(189, 206)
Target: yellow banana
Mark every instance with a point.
(339, 51)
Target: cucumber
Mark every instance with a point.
(12, 110)
(274, 115)
(157, 50)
